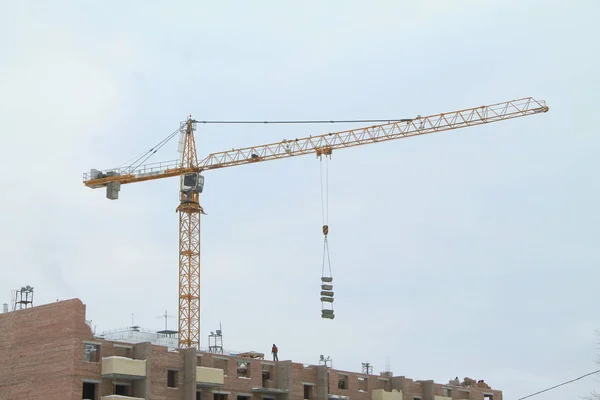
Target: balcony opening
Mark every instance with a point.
(363, 384)
(121, 390)
(385, 384)
(219, 396)
(122, 352)
(487, 396)
(243, 369)
(221, 364)
(89, 391)
(343, 382)
(91, 352)
(308, 392)
(171, 378)
(266, 377)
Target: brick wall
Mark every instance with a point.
(37, 351)
(161, 360)
(41, 357)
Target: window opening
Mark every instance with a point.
(171, 378)
(89, 391)
(307, 392)
(91, 352)
(243, 369)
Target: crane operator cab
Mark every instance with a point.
(192, 182)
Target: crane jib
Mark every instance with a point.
(324, 144)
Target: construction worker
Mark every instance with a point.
(274, 351)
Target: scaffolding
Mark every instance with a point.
(215, 341)
(23, 298)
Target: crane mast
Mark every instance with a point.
(189, 169)
(189, 210)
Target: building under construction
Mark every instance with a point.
(51, 352)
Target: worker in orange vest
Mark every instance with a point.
(274, 351)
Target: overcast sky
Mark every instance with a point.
(472, 252)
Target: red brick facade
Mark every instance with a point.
(42, 357)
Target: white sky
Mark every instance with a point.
(470, 253)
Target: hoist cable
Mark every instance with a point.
(326, 258)
(324, 171)
(559, 385)
(326, 191)
(323, 189)
(144, 157)
(153, 150)
(324, 254)
(307, 121)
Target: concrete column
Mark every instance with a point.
(142, 351)
(283, 378)
(189, 373)
(428, 388)
(322, 386)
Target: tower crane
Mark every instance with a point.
(190, 169)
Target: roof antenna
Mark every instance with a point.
(165, 316)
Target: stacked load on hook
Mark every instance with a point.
(326, 282)
(326, 278)
(327, 297)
